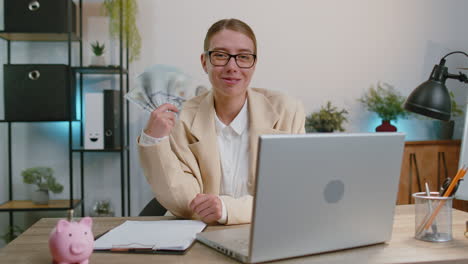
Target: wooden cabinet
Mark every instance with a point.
(427, 161)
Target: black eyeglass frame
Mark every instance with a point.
(209, 52)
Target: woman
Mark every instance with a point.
(202, 165)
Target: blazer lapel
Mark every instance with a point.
(262, 120)
(206, 149)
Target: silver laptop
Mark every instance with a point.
(317, 193)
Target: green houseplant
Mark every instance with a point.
(103, 208)
(11, 233)
(130, 30)
(446, 128)
(328, 119)
(45, 181)
(98, 51)
(386, 102)
(456, 109)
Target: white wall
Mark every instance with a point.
(313, 50)
(319, 50)
(322, 50)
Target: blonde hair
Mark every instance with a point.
(231, 24)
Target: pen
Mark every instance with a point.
(460, 174)
(132, 247)
(131, 250)
(434, 225)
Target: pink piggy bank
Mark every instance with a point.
(72, 242)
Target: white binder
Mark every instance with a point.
(94, 121)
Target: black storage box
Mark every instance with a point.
(112, 120)
(38, 16)
(39, 92)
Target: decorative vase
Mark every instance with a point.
(324, 130)
(40, 197)
(98, 61)
(446, 129)
(386, 127)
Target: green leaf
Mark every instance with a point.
(385, 101)
(43, 178)
(130, 30)
(11, 233)
(98, 49)
(456, 110)
(328, 119)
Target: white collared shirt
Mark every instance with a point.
(233, 146)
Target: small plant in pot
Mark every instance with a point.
(11, 233)
(446, 127)
(45, 181)
(387, 103)
(103, 208)
(98, 51)
(328, 119)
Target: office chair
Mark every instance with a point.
(153, 208)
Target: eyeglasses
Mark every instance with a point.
(243, 60)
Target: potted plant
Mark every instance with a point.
(130, 30)
(103, 208)
(11, 233)
(387, 103)
(446, 127)
(98, 51)
(328, 119)
(45, 181)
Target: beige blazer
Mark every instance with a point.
(187, 163)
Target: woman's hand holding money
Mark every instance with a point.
(161, 121)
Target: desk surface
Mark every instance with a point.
(32, 247)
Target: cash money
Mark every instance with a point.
(158, 85)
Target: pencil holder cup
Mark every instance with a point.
(433, 217)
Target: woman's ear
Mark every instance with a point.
(203, 62)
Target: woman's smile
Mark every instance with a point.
(231, 80)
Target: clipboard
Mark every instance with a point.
(144, 251)
(171, 237)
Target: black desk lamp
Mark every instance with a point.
(431, 98)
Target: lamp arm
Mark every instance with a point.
(461, 77)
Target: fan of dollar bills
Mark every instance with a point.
(158, 85)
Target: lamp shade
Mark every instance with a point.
(431, 99)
